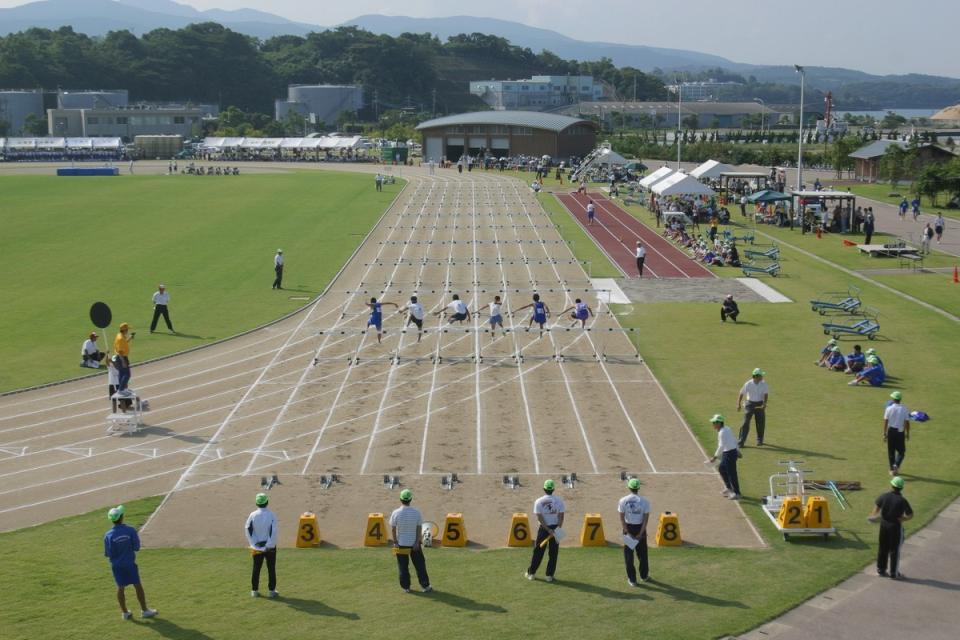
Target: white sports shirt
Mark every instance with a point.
(633, 507)
(550, 507)
(406, 519)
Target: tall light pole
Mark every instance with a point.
(679, 104)
(803, 77)
(763, 109)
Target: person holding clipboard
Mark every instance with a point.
(634, 512)
(549, 510)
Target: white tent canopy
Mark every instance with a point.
(612, 158)
(655, 177)
(710, 169)
(320, 142)
(681, 184)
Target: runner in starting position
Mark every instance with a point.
(581, 311)
(540, 312)
(496, 317)
(376, 316)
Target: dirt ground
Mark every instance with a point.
(313, 395)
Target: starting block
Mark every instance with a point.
(308, 532)
(447, 481)
(668, 530)
(519, 535)
(591, 534)
(454, 531)
(375, 534)
(511, 481)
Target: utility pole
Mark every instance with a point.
(376, 104)
(434, 112)
(679, 105)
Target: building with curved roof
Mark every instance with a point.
(507, 133)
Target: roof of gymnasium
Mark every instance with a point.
(532, 119)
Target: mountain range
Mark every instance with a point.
(97, 17)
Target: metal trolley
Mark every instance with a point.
(787, 484)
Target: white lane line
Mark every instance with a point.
(603, 366)
(476, 327)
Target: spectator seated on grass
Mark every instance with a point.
(855, 360)
(732, 256)
(872, 374)
(873, 352)
(90, 355)
(825, 353)
(836, 361)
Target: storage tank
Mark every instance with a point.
(17, 104)
(326, 100)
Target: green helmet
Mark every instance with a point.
(717, 418)
(832, 341)
(406, 495)
(549, 485)
(262, 500)
(758, 372)
(871, 351)
(896, 482)
(633, 484)
(116, 513)
(896, 395)
(835, 349)
(873, 360)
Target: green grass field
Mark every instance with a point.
(583, 247)
(67, 243)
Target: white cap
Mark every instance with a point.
(161, 286)
(279, 250)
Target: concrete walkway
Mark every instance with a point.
(869, 607)
(888, 221)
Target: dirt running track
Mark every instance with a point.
(226, 415)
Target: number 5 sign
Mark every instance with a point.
(454, 532)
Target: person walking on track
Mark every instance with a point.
(896, 431)
(376, 316)
(591, 212)
(261, 531)
(120, 545)
(756, 392)
(891, 509)
(406, 525)
(641, 256)
(634, 512)
(160, 301)
(549, 510)
(278, 269)
(729, 453)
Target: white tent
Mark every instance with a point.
(107, 143)
(611, 158)
(710, 169)
(680, 184)
(655, 177)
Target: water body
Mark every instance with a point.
(879, 115)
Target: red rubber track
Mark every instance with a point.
(616, 232)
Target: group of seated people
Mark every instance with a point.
(210, 171)
(864, 366)
(717, 252)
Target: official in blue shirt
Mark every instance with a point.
(120, 545)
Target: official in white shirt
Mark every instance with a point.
(634, 512)
(261, 532)
(278, 269)
(160, 301)
(756, 393)
(90, 354)
(728, 452)
(549, 510)
(896, 431)
(641, 256)
(406, 526)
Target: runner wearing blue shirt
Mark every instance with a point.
(120, 545)
(376, 315)
(581, 311)
(915, 205)
(903, 208)
(540, 312)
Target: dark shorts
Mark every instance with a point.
(416, 321)
(376, 322)
(591, 214)
(126, 574)
(458, 317)
(540, 319)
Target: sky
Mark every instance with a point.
(877, 36)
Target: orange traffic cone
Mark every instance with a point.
(819, 233)
(956, 276)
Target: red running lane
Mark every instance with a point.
(616, 232)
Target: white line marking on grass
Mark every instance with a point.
(764, 290)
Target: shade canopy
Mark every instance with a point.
(681, 184)
(635, 166)
(766, 195)
(710, 169)
(655, 177)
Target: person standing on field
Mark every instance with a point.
(120, 545)
(121, 347)
(406, 527)
(160, 301)
(634, 512)
(756, 392)
(729, 453)
(891, 509)
(278, 269)
(641, 257)
(896, 431)
(261, 532)
(549, 510)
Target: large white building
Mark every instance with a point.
(538, 93)
(125, 123)
(324, 101)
